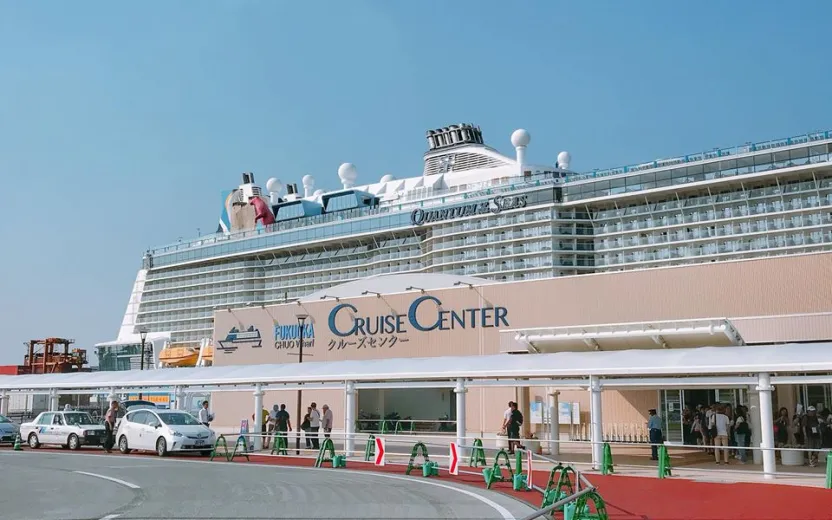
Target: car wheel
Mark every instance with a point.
(33, 441)
(161, 447)
(122, 445)
(73, 442)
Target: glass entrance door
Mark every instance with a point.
(670, 409)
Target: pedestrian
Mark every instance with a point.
(110, 426)
(282, 424)
(314, 425)
(513, 429)
(205, 416)
(654, 430)
(812, 434)
(742, 431)
(722, 424)
(272, 423)
(305, 427)
(327, 421)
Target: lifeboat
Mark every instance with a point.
(179, 356)
(208, 354)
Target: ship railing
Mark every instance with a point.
(704, 156)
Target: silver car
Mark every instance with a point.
(67, 429)
(8, 429)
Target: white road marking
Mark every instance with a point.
(110, 517)
(503, 512)
(111, 479)
(487, 501)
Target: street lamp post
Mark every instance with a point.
(301, 323)
(143, 334)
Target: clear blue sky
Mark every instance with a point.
(121, 124)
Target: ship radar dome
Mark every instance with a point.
(274, 185)
(387, 178)
(308, 181)
(348, 174)
(520, 137)
(564, 158)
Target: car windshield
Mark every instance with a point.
(4, 419)
(78, 418)
(178, 419)
(139, 404)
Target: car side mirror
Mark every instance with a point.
(157, 426)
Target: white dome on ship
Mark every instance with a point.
(564, 158)
(387, 178)
(274, 185)
(348, 174)
(520, 137)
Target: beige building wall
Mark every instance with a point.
(768, 300)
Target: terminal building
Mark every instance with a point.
(736, 303)
(486, 253)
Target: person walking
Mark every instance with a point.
(812, 434)
(282, 424)
(205, 416)
(722, 424)
(304, 426)
(110, 426)
(742, 431)
(654, 432)
(513, 429)
(315, 426)
(326, 424)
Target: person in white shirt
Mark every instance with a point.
(506, 417)
(314, 426)
(271, 426)
(205, 417)
(327, 420)
(722, 423)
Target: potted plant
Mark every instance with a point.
(533, 444)
(502, 440)
(791, 456)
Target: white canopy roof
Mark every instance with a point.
(782, 359)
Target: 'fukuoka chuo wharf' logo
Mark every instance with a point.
(288, 336)
(399, 324)
(494, 206)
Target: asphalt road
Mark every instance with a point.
(77, 486)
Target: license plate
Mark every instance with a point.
(199, 443)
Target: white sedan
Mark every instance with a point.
(68, 429)
(163, 431)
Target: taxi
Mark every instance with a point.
(66, 428)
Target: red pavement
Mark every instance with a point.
(640, 498)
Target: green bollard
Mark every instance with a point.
(477, 454)
(606, 463)
(486, 474)
(664, 462)
(828, 470)
(519, 483)
(370, 448)
(430, 469)
(419, 447)
(569, 511)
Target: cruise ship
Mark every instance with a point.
(475, 212)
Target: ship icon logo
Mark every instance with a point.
(235, 338)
